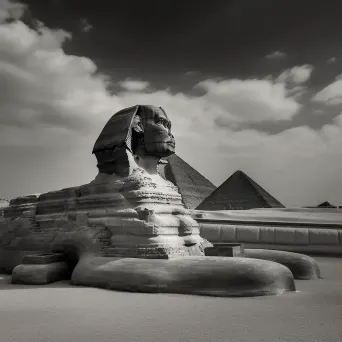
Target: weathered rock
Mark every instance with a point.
(226, 249)
(212, 276)
(302, 266)
(43, 259)
(40, 274)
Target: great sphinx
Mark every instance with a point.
(128, 228)
(149, 218)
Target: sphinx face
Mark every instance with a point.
(158, 138)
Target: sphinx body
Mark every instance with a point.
(128, 209)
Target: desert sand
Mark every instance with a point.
(60, 312)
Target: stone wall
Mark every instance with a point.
(295, 232)
(25, 229)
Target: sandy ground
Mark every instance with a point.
(59, 312)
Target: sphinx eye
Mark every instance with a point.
(162, 122)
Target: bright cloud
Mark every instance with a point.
(331, 94)
(10, 10)
(53, 106)
(134, 85)
(296, 75)
(249, 100)
(276, 55)
(45, 86)
(331, 60)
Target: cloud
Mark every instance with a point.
(331, 95)
(338, 120)
(276, 55)
(331, 60)
(318, 111)
(251, 100)
(43, 85)
(85, 25)
(10, 10)
(54, 105)
(134, 85)
(296, 75)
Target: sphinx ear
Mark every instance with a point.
(137, 125)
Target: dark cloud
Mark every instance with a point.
(221, 36)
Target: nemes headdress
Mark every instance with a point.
(116, 136)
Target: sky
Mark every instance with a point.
(248, 85)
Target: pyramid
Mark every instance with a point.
(193, 187)
(239, 192)
(326, 205)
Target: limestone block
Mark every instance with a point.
(247, 234)
(82, 219)
(149, 252)
(72, 215)
(43, 259)
(152, 230)
(97, 213)
(323, 237)
(302, 266)
(119, 225)
(284, 235)
(35, 274)
(70, 204)
(97, 221)
(46, 224)
(302, 236)
(22, 200)
(210, 232)
(126, 212)
(64, 224)
(132, 223)
(228, 233)
(266, 234)
(225, 250)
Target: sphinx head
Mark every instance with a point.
(142, 131)
(151, 133)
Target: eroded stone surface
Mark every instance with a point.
(40, 274)
(302, 266)
(42, 259)
(212, 276)
(226, 250)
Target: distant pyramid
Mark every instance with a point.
(239, 192)
(193, 187)
(326, 205)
